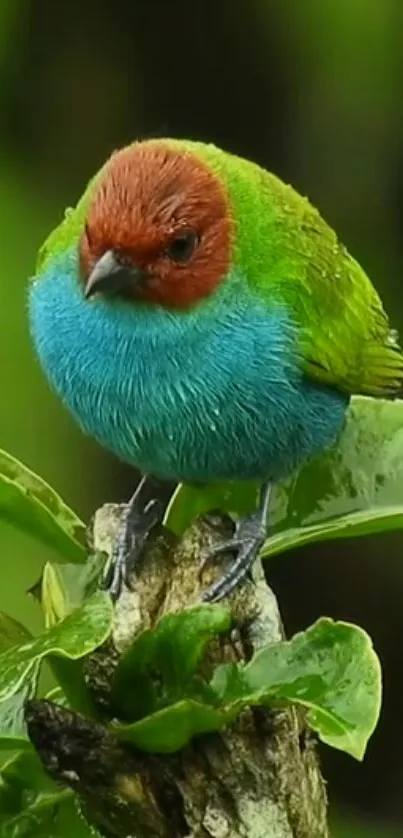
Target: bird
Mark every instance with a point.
(202, 321)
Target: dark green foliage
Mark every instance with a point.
(162, 694)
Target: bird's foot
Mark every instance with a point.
(249, 537)
(142, 514)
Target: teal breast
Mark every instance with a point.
(214, 393)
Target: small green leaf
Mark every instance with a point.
(170, 729)
(53, 595)
(161, 663)
(331, 669)
(80, 633)
(30, 505)
(65, 586)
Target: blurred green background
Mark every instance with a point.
(312, 90)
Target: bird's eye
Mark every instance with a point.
(182, 247)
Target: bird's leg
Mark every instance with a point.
(146, 509)
(249, 537)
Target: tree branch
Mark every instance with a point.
(258, 778)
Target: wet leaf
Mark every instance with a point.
(330, 669)
(355, 489)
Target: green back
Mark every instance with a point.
(290, 256)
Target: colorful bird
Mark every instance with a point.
(201, 320)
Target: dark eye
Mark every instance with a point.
(182, 247)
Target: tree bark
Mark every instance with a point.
(259, 778)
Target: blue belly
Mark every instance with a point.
(211, 394)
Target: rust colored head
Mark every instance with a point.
(161, 215)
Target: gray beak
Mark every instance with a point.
(110, 276)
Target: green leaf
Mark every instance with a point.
(13, 733)
(353, 489)
(331, 669)
(30, 505)
(161, 664)
(33, 806)
(65, 586)
(189, 501)
(53, 597)
(11, 632)
(80, 633)
(170, 729)
(53, 815)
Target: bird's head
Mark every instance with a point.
(157, 229)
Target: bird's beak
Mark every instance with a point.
(110, 276)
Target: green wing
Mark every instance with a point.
(350, 344)
(292, 256)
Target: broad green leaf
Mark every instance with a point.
(353, 489)
(31, 505)
(160, 666)
(80, 633)
(331, 669)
